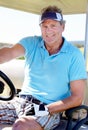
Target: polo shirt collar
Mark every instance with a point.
(65, 46)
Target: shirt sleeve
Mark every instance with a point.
(28, 44)
(77, 67)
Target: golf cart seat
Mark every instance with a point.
(74, 119)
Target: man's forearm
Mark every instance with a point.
(63, 105)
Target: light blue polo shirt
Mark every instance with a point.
(47, 76)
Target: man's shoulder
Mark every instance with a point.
(30, 41)
(71, 47)
(33, 38)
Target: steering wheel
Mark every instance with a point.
(10, 84)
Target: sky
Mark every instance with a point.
(15, 25)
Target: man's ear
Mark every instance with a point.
(63, 26)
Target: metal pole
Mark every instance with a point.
(86, 39)
(86, 56)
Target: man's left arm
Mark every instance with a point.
(76, 98)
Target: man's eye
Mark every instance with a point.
(45, 26)
(53, 26)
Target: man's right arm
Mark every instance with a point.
(7, 54)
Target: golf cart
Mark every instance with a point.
(68, 122)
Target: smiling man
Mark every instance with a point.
(54, 74)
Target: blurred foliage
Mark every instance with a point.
(21, 58)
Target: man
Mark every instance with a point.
(54, 74)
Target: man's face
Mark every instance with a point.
(51, 31)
